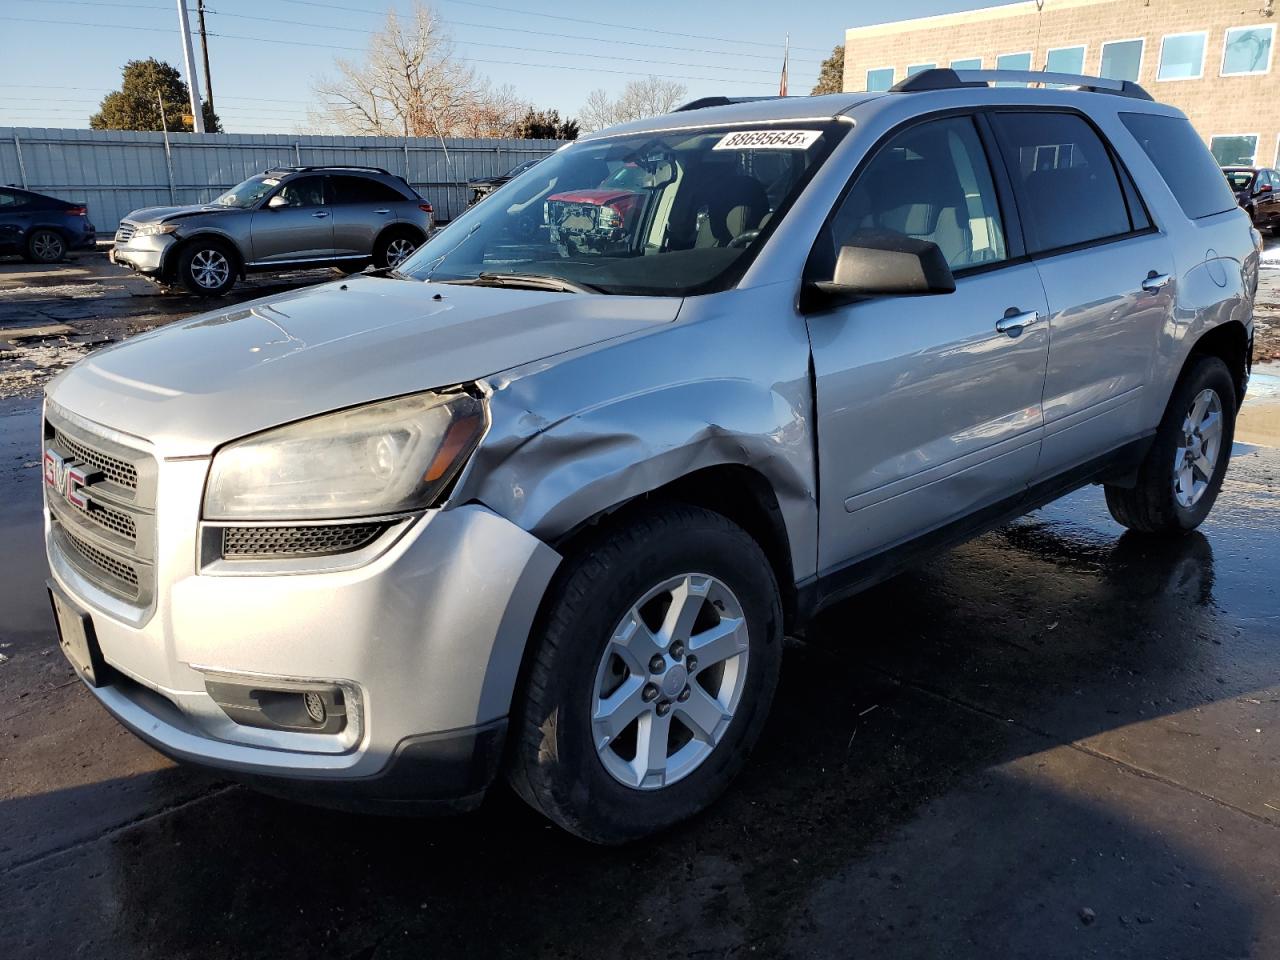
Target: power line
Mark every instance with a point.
(560, 35)
(332, 46)
(527, 49)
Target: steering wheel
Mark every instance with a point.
(742, 239)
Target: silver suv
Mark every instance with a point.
(282, 219)
(543, 502)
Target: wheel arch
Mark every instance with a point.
(169, 260)
(737, 492)
(1230, 342)
(400, 226)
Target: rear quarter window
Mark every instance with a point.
(1184, 161)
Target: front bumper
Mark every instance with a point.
(143, 254)
(427, 638)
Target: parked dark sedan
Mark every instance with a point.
(481, 187)
(42, 228)
(1258, 191)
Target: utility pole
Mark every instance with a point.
(193, 81)
(204, 50)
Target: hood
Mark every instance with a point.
(194, 385)
(159, 214)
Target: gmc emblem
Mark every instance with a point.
(66, 480)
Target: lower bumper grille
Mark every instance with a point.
(320, 540)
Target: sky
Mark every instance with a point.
(59, 57)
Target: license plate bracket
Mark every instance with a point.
(77, 638)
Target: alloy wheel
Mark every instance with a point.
(210, 269)
(669, 681)
(398, 250)
(48, 246)
(1198, 449)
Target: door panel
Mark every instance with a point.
(1105, 329)
(925, 412)
(1090, 237)
(362, 207)
(300, 231)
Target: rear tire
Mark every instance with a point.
(1180, 477)
(206, 268)
(393, 247)
(706, 581)
(46, 246)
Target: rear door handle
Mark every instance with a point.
(1155, 281)
(1014, 323)
(383, 210)
(320, 214)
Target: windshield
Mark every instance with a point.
(663, 214)
(1240, 179)
(248, 193)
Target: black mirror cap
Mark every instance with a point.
(888, 264)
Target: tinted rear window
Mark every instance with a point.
(1184, 161)
(1069, 193)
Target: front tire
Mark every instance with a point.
(1182, 473)
(659, 653)
(206, 268)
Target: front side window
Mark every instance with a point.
(1234, 150)
(1068, 190)
(1247, 50)
(1240, 179)
(1180, 156)
(1122, 59)
(303, 192)
(1182, 57)
(667, 213)
(930, 182)
(879, 79)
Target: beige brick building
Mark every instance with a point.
(1213, 59)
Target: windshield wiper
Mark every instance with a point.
(529, 281)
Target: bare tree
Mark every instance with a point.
(639, 99)
(411, 83)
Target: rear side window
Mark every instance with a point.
(11, 201)
(1068, 190)
(363, 190)
(1183, 160)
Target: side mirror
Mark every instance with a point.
(1265, 188)
(887, 264)
(277, 202)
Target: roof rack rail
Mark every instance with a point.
(943, 78)
(327, 166)
(702, 102)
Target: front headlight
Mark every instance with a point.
(152, 229)
(382, 458)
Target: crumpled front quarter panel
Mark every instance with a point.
(727, 383)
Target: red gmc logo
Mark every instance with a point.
(66, 480)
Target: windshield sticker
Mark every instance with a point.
(768, 140)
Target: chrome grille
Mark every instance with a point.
(101, 560)
(104, 527)
(125, 232)
(298, 541)
(117, 470)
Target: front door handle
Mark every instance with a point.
(384, 211)
(1014, 323)
(1155, 281)
(320, 214)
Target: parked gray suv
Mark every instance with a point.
(543, 502)
(284, 218)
